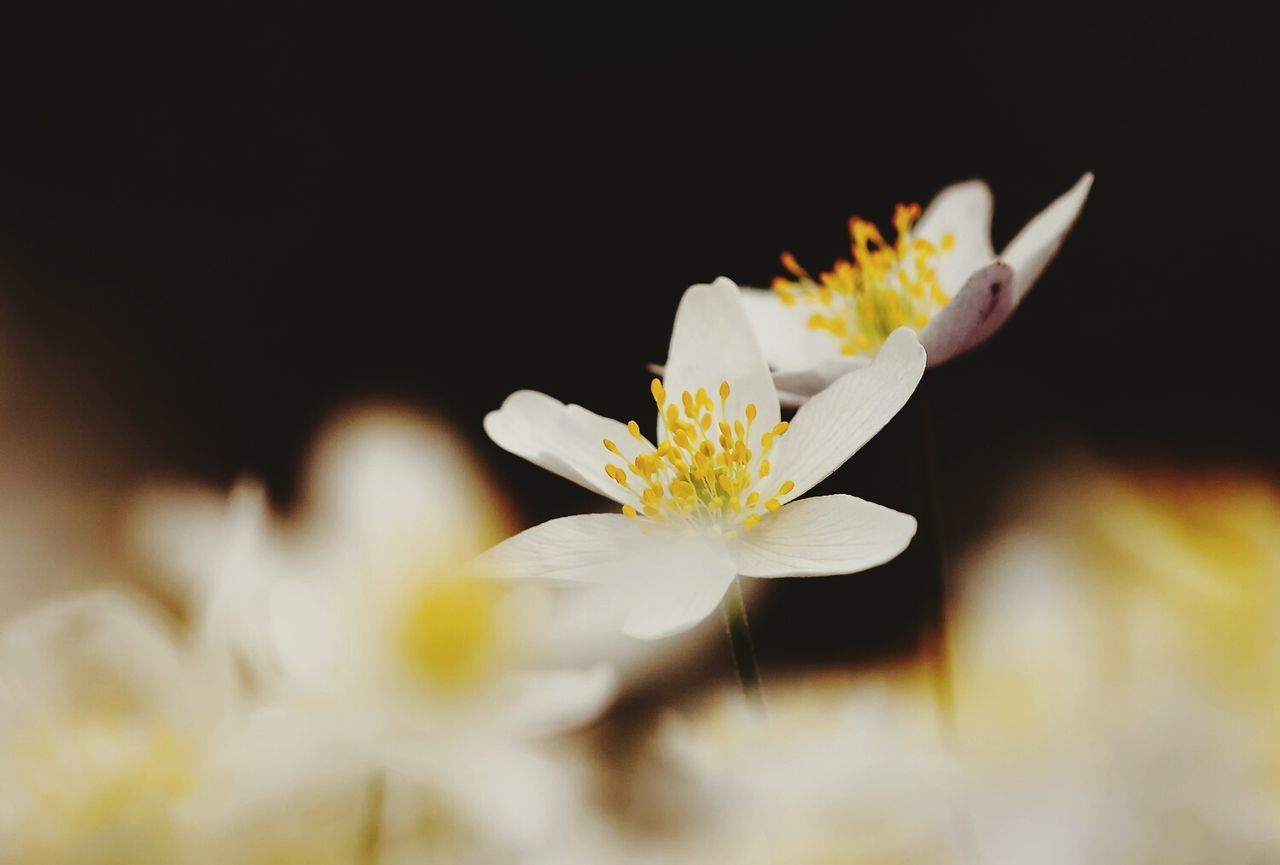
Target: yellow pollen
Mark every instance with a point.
(450, 637)
(707, 463)
(885, 286)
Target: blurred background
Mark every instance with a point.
(216, 229)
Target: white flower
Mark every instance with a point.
(839, 770)
(365, 620)
(366, 605)
(939, 277)
(106, 726)
(714, 498)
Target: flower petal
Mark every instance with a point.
(822, 536)
(784, 334)
(830, 428)
(795, 387)
(664, 580)
(552, 701)
(711, 342)
(976, 312)
(1038, 242)
(962, 210)
(565, 439)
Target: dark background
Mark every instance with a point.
(214, 230)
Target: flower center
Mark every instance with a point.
(886, 286)
(451, 636)
(704, 470)
(101, 769)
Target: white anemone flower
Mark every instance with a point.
(106, 726)
(716, 497)
(365, 616)
(940, 277)
(841, 770)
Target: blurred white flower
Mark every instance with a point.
(841, 770)
(365, 618)
(106, 726)
(710, 501)
(939, 276)
(1114, 689)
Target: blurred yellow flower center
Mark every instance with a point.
(886, 286)
(97, 771)
(705, 470)
(452, 633)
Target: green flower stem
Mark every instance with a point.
(935, 623)
(744, 653)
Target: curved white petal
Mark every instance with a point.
(388, 480)
(795, 387)
(962, 210)
(711, 342)
(1038, 242)
(552, 701)
(784, 334)
(664, 579)
(822, 536)
(974, 314)
(830, 428)
(565, 439)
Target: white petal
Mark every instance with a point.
(552, 701)
(664, 580)
(964, 211)
(388, 480)
(784, 334)
(1038, 242)
(830, 428)
(976, 312)
(711, 342)
(795, 387)
(822, 536)
(565, 439)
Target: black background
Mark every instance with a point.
(216, 229)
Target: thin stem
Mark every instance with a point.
(744, 653)
(371, 824)
(936, 602)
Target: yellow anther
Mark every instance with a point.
(612, 448)
(659, 393)
(724, 391)
(885, 285)
(751, 412)
(651, 511)
(786, 488)
(753, 500)
(764, 469)
(634, 429)
(629, 511)
(682, 489)
(750, 522)
(705, 423)
(781, 427)
(772, 505)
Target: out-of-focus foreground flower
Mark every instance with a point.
(939, 276)
(1114, 656)
(710, 501)
(366, 618)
